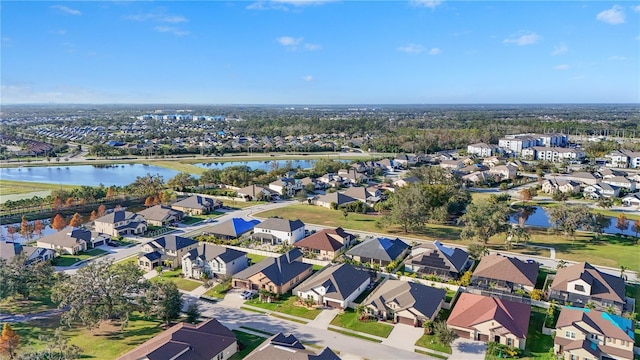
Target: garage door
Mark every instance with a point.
(403, 320)
(483, 337)
(334, 304)
(463, 334)
(98, 243)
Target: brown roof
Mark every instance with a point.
(508, 269)
(281, 347)
(472, 309)
(202, 341)
(607, 324)
(603, 286)
(325, 239)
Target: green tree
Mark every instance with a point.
(483, 220)
(99, 292)
(193, 313)
(163, 300)
(477, 251)
(57, 347)
(515, 234)
(443, 333)
(408, 208)
(622, 223)
(181, 181)
(567, 219)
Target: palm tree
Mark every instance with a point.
(622, 274)
(361, 310)
(561, 264)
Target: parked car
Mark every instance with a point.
(250, 294)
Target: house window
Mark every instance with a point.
(579, 288)
(509, 342)
(594, 337)
(570, 335)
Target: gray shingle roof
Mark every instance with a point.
(208, 252)
(407, 296)
(173, 242)
(379, 248)
(279, 270)
(340, 281)
(279, 224)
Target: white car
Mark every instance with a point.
(249, 294)
(244, 294)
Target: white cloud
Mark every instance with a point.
(284, 5)
(67, 10)
(158, 16)
(432, 4)
(308, 78)
(312, 47)
(435, 51)
(560, 49)
(561, 67)
(412, 48)
(302, 2)
(289, 41)
(171, 30)
(613, 16)
(522, 38)
(617, 58)
(636, 8)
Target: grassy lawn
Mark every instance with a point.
(106, 342)
(233, 204)
(218, 291)
(633, 291)
(18, 305)
(349, 333)
(131, 259)
(615, 214)
(430, 342)
(68, 260)
(255, 258)
(610, 250)
(188, 220)
(10, 187)
(179, 166)
(247, 342)
(349, 320)
(537, 344)
(174, 276)
(285, 306)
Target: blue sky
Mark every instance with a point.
(320, 52)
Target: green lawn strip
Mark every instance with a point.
(182, 284)
(107, 342)
(218, 291)
(615, 214)
(188, 220)
(9, 187)
(255, 258)
(349, 333)
(431, 354)
(34, 304)
(179, 166)
(247, 343)
(537, 343)
(366, 293)
(275, 314)
(253, 310)
(233, 204)
(256, 330)
(431, 342)
(349, 320)
(68, 260)
(633, 291)
(285, 306)
(449, 295)
(131, 259)
(316, 267)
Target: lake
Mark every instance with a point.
(540, 219)
(262, 165)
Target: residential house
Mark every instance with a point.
(478, 177)
(484, 318)
(336, 285)
(277, 231)
(437, 259)
(405, 302)
(277, 275)
(33, 254)
(385, 164)
(120, 223)
(405, 160)
(306, 181)
(72, 240)
(280, 347)
(551, 186)
(583, 178)
(505, 274)
(624, 159)
(161, 215)
(286, 186)
(197, 205)
(608, 173)
(621, 182)
(600, 190)
(325, 244)
(503, 172)
(330, 180)
(167, 251)
(205, 341)
(255, 193)
(452, 164)
(581, 284)
(406, 181)
(492, 161)
(381, 251)
(352, 177)
(336, 198)
(590, 334)
(482, 149)
(362, 194)
(232, 229)
(213, 260)
(631, 199)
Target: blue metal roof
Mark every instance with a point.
(241, 225)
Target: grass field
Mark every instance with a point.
(431, 342)
(174, 276)
(18, 305)
(68, 260)
(106, 342)
(255, 258)
(349, 320)
(247, 343)
(610, 250)
(218, 291)
(10, 187)
(285, 306)
(537, 344)
(179, 166)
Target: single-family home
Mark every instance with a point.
(402, 182)
(333, 198)
(551, 186)
(72, 240)
(505, 274)
(232, 229)
(581, 284)
(160, 215)
(336, 285)
(167, 251)
(255, 193)
(352, 177)
(503, 172)
(405, 302)
(478, 177)
(286, 186)
(120, 223)
(621, 182)
(631, 199)
(492, 161)
(205, 341)
(381, 251)
(583, 178)
(197, 205)
(484, 318)
(601, 190)
(281, 346)
(608, 173)
(277, 275)
(405, 160)
(213, 261)
(32, 254)
(275, 231)
(361, 194)
(591, 334)
(438, 259)
(325, 244)
(452, 164)
(385, 164)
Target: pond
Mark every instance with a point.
(16, 237)
(539, 218)
(92, 175)
(267, 166)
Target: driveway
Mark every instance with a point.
(468, 349)
(404, 336)
(323, 319)
(232, 299)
